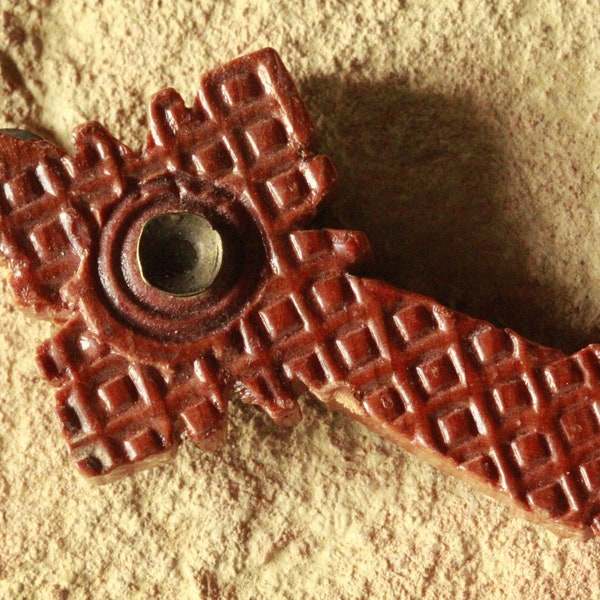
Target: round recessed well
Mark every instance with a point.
(179, 253)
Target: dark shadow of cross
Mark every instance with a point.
(426, 176)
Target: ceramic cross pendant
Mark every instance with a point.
(186, 276)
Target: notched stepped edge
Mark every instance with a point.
(51, 204)
(268, 160)
(348, 404)
(119, 416)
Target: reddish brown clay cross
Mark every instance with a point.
(184, 276)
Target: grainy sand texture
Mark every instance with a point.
(467, 138)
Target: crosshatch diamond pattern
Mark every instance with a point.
(516, 418)
(248, 132)
(515, 415)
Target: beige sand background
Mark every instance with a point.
(467, 136)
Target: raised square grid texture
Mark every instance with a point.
(49, 240)
(511, 397)
(414, 322)
(332, 294)
(213, 159)
(310, 245)
(71, 348)
(281, 319)
(437, 373)
(241, 89)
(53, 176)
(492, 345)
(100, 455)
(394, 340)
(550, 498)
(530, 450)
(564, 375)
(457, 426)
(201, 419)
(78, 412)
(22, 190)
(143, 444)
(590, 474)
(357, 347)
(385, 404)
(288, 188)
(69, 419)
(308, 368)
(580, 423)
(482, 466)
(265, 137)
(118, 394)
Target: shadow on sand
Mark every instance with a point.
(425, 176)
